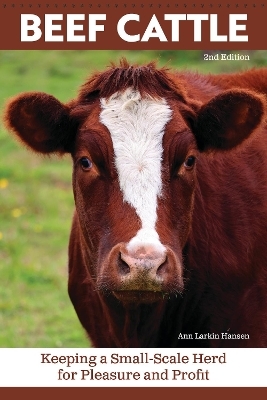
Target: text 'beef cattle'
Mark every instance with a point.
(168, 243)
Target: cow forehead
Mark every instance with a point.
(136, 124)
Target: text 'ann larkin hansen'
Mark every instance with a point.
(222, 335)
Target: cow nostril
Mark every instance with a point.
(162, 268)
(124, 268)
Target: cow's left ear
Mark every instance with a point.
(41, 121)
(228, 119)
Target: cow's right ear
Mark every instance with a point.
(41, 122)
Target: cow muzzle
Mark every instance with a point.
(143, 274)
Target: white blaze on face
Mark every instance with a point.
(136, 126)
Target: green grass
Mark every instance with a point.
(36, 201)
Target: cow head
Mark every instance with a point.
(135, 135)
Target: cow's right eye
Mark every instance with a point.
(86, 163)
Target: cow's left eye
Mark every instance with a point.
(86, 163)
(190, 162)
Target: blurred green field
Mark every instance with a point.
(36, 201)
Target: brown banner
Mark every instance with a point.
(133, 393)
(135, 25)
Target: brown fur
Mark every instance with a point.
(211, 217)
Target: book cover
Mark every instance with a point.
(166, 258)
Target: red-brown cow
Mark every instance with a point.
(168, 243)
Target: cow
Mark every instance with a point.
(168, 241)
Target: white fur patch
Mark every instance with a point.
(136, 126)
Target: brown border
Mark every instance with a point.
(109, 39)
(131, 393)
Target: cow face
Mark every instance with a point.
(119, 181)
(135, 157)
